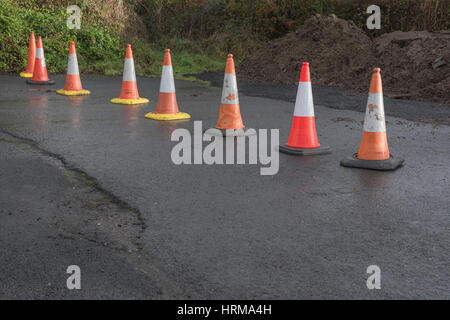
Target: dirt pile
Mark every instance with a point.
(415, 65)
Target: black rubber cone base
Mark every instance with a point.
(304, 152)
(382, 165)
(40, 82)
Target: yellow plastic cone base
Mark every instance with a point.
(73, 93)
(129, 101)
(167, 116)
(26, 75)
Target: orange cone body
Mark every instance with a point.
(73, 82)
(28, 73)
(303, 136)
(374, 144)
(373, 151)
(167, 100)
(40, 69)
(167, 108)
(230, 113)
(129, 93)
(303, 132)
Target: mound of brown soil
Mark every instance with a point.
(415, 65)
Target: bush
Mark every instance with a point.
(95, 43)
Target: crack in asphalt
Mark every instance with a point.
(92, 181)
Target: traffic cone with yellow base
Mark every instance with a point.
(167, 108)
(40, 75)
(28, 73)
(73, 82)
(374, 152)
(303, 137)
(129, 93)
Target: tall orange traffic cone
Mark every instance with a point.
(230, 120)
(374, 152)
(129, 93)
(73, 82)
(28, 73)
(303, 137)
(167, 108)
(40, 69)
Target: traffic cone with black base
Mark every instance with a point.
(373, 152)
(303, 137)
(28, 73)
(167, 108)
(73, 82)
(230, 120)
(40, 69)
(129, 93)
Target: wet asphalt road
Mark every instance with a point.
(91, 183)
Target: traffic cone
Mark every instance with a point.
(40, 69)
(303, 137)
(230, 120)
(28, 73)
(73, 82)
(374, 152)
(167, 108)
(129, 93)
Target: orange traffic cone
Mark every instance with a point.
(303, 137)
(129, 93)
(230, 120)
(73, 82)
(40, 69)
(28, 73)
(374, 152)
(167, 108)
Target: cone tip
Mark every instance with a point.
(376, 70)
(306, 63)
(72, 43)
(128, 45)
(230, 56)
(168, 50)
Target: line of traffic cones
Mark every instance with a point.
(373, 152)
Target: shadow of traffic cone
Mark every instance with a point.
(167, 108)
(40, 69)
(230, 120)
(28, 73)
(303, 137)
(129, 93)
(73, 82)
(374, 152)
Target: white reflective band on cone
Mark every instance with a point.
(39, 53)
(374, 120)
(304, 106)
(167, 84)
(230, 92)
(128, 70)
(72, 67)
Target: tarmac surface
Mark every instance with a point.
(89, 183)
